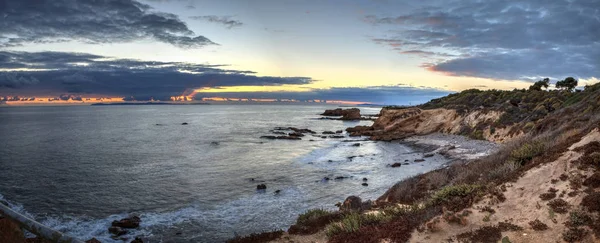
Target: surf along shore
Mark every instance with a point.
(540, 184)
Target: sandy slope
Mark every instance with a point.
(523, 204)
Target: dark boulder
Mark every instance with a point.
(356, 145)
(335, 112)
(428, 155)
(366, 205)
(261, 187)
(92, 240)
(351, 114)
(294, 129)
(365, 179)
(339, 131)
(328, 132)
(296, 134)
(116, 231)
(360, 131)
(302, 130)
(281, 137)
(419, 160)
(365, 184)
(185, 123)
(137, 240)
(128, 223)
(352, 203)
(336, 136)
(346, 114)
(394, 165)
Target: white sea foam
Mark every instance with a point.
(232, 217)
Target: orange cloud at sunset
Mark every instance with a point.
(18, 101)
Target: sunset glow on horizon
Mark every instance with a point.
(376, 52)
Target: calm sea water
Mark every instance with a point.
(78, 168)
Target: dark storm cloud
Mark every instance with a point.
(16, 80)
(103, 21)
(58, 72)
(227, 21)
(503, 39)
(402, 95)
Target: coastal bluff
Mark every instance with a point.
(394, 124)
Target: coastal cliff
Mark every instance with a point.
(542, 185)
(394, 124)
(493, 115)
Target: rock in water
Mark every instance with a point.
(261, 187)
(336, 112)
(419, 160)
(365, 184)
(117, 231)
(394, 165)
(185, 123)
(137, 240)
(352, 203)
(128, 223)
(93, 240)
(365, 179)
(296, 134)
(281, 137)
(351, 114)
(347, 114)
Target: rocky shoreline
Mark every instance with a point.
(454, 148)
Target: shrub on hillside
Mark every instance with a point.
(313, 220)
(354, 221)
(527, 152)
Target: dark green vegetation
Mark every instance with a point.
(521, 107)
(554, 120)
(314, 220)
(258, 237)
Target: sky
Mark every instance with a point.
(372, 51)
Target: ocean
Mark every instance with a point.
(77, 168)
